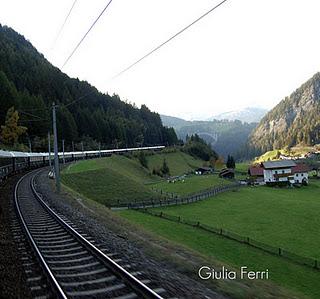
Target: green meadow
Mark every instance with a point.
(280, 217)
(191, 184)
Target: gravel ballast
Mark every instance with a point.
(12, 275)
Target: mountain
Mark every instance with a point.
(31, 84)
(226, 137)
(249, 115)
(294, 121)
(171, 121)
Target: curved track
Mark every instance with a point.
(74, 267)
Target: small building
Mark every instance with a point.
(204, 170)
(255, 173)
(279, 172)
(227, 173)
(300, 172)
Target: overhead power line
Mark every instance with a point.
(82, 39)
(64, 23)
(169, 39)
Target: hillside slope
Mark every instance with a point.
(31, 84)
(294, 121)
(111, 180)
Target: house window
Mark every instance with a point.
(301, 174)
(276, 172)
(297, 174)
(282, 171)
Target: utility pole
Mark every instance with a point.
(56, 156)
(49, 149)
(73, 158)
(82, 149)
(64, 160)
(30, 149)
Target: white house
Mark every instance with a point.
(284, 171)
(300, 172)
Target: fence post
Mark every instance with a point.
(160, 214)
(198, 224)
(248, 240)
(316, 264)
(280, 251)
(220, 231)
(179, 219)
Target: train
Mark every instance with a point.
(12, 162)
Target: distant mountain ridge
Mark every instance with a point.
(249, 115)
(173, 121)
(226, 137)
(294, 121)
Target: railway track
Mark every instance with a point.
(73, 265)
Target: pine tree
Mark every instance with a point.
(230, 162)
(142, 159)
(165, 168)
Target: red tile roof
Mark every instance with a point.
(256, 171)
(300, 168)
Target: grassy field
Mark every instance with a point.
(284, 273)
(191, 184)
(242, 167)
(286, 218)
(178, 162)
(110, 180)
(119, 179)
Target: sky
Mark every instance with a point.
(247, 53)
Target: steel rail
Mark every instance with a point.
(137, 286)
(54, 282)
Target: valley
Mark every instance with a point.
(281, 218)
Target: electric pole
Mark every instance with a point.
(49, 149)
(82, 149)
(56, 156)
(64, 160)
(30, 149)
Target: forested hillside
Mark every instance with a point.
(294, 121)
(31, 84)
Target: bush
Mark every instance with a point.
(142, 159)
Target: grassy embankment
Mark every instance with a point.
(120, 179)
(179, 163)
(286, 218)
(109, 180)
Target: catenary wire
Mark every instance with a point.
(64, 23)
(82, 39)
(169, 39)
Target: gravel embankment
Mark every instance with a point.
(108, 230)
(12, 276)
